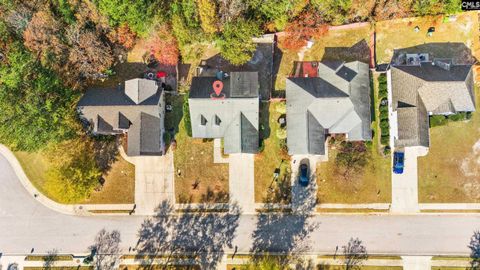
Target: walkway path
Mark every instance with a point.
(417, 262)
(241, 181)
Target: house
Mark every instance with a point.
(327, 98)
(136, 110)
(421, 87)
(226, 106)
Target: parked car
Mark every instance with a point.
(304, 178)
(398, 162)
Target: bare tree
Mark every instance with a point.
(49, 259)
(475, 250)
(106, 250)
(355, 253)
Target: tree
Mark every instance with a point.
(138, 14)
(163, 46)
(106, 250)
(74, 172)
(185, 22)
(475, 250)
(351, 157)
(277, 12)
(125, 36)
(41, 35)
(36, 108)
(335, 11)
(355, 253)
(235, 43)
(304, 27)
(208, 15)
(88, 55)
(427, 7)
(49, 259)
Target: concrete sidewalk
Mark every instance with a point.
(417, 262)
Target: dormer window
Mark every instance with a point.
(203, 120)
(217, 120)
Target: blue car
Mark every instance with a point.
(398, 162)
(304, 178)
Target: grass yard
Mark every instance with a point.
(370, 267)
(397, 34)
(450, 172)
(373, 185)
(119, 184)
(449, 268)
(197, 178)
(157, 267)
(61, 268)
(342, 44)
(272, 157)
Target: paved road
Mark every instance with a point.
(25, 224)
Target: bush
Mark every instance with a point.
(261, 146)
(387, 150)
(383, 109)
(382, 91)
(385, 140)
(283, 145)
(458, 116)
(382, 79)
(438, 120)
(384, 114)
(468, 115)
(384, 125)
(235, 42)
(186, 115)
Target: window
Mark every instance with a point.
(203, 120)
(217, 120)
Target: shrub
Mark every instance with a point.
(384, 125)
(382, 79)
(458, 116)
(382, 90)
(468, 115)
(384, 114)
(283, 145)
(186, 116)
(383, 109)
(438, 120)
(387, 150)
(261, 146)
(385, 140)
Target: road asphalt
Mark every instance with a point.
(26, 226)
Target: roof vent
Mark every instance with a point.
(443, 64)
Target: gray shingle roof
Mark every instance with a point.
(236, 85)
(234, 118)
(111, 111)
(338, 101)
(420, 90)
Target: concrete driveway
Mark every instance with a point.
(154, 178)
(241, 181)
(405, 185)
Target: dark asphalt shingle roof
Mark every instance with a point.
(420, 90)
(236, 85)
(111, 111)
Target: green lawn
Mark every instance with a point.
(272, 157)
(373, 185)
(119, 184)
(398, 34)
(193, 160)
(344, 44)
(450, 172)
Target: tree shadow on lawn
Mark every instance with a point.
(360, 51)
(202, 235)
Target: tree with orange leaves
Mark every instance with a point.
(163, 46)
(305, 26)
(126, 36)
